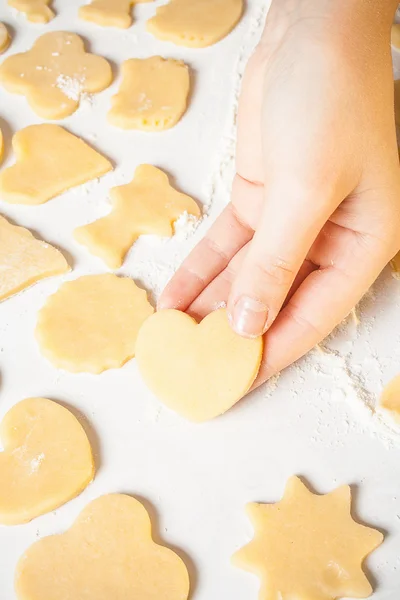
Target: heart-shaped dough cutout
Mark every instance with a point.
(108, 554)
(47, 460)
(199, 371)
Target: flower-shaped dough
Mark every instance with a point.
(109, 13)
(308, 546)
(24, 260)
(47, 460)
(55, 73)
(4, 38)
(91, 324)
(153, 94)
(50, 160)
(200, 371)
(36, 11)
(195, 23)
(108, 554)
(147, 205)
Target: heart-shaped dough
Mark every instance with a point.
(200, 371)
(47, 460)
(108, 554)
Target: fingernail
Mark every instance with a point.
(249, 317)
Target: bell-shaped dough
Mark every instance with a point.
(153, 94)
(108, 554)
(199, 371)
(147, 205)
(55, 73)
(47, 460)
(91, 324)
(308, 547)
(195, 23)
(36, 11)
(24, 260)
(5, 38)
(50, 160)
(109, 13)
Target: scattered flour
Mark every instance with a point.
(36, 462)
(72, 87)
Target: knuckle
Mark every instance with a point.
(275, 271)
(305, 323)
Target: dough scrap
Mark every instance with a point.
(109, 13)
(308, 546)
(50, 160)
(5, 38)
(390, 399)
(24, 260)
(47, 460)
(55, 73)
(147, 205)
(91, 324)
(36, 11)
(153, 94)
(195, 23)
(108, 553)
(199, 371)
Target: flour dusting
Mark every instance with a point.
(73, 88)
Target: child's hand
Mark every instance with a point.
(315, 210)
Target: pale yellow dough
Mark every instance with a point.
(47, 460)
(390, 399)
(109, 13)
(5, 39)
(55, 73)
(199, 371)
(91, 324)
(108, 554)
(147, 205)
(24, 260)
(153, 94)
(308, 547)
(195, 23)
(50, 160)
(36, 11)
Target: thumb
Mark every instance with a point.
(293, 216)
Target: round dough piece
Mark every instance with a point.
(91, 324)
(5, 39)
(108, 554)
(153, 94)
(47, 460)
(199, 371)
(195, 23)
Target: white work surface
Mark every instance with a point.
(315, 421)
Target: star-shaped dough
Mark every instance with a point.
(50, 160)
(107, 554)
(153, 94)
(55, 73)
(109, 13)
(36, 11)
(147, 205)
(24, 260)
(4, 38)
(308, 547)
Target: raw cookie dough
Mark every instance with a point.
(396, 36)
(5, 39)
(91, 324)
(195, 23)
(24, 260)
(109, 13)
(153, 94)
(36, 11)
(47, 460)
(108, 554)
(55, 73)
(199, 371)
(308, 546)
(390, 399)
(50, 160)
(147, 205)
